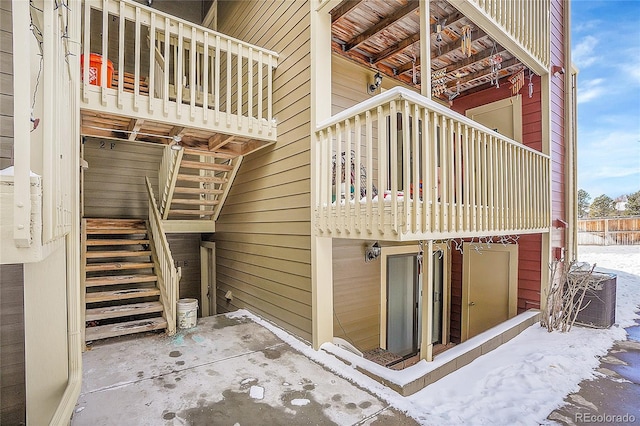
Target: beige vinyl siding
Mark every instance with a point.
(6, 85)
(356, 295)
(263, 232)
(12, 365)
(114, 184)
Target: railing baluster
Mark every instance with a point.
(369, 168)
(217, 85)
(239, 79)
(179, 70)
(393, 157)
(152, 60)
(121, 55)
(382, 167)
(136, 72)
(205, 78)
(260, 90)
(105, 51)
(167, 44)
(415, 167)
(250, 89)
(425, 175)
(229, 82)
(357, 191)
(193, 84)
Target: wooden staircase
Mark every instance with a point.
(200, 185)
(121, 296)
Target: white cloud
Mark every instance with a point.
(583, 52)
(590, 89)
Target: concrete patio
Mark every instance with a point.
(227, 371)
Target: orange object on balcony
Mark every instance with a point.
(95, 69)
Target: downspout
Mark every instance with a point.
(571, 196)
(69, 398)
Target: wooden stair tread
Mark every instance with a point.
(192, 212)
(116, 231)
(117, 266)
(190, 151)
(105, 242)
(116, 253)
(195, 202)
(129, 293)
(124, 328)
(122, 310)
(198, 178)
(185, 190)
(115, 223)
(206, 166)
(120, 279)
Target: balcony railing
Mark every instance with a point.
(525, 21)
(402, 167)
(174, 71)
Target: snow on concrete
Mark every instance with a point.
(256, 392)
(300, 402)
(520, 382)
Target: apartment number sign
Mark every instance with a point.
(103, 145)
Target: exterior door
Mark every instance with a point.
(489, 287)
(208, 278)
(504, 116)
(403, 290)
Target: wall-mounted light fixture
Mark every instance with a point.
(372, 252)
(377, 81)
(175, 143)
(557, 70)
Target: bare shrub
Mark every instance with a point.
(568, 284)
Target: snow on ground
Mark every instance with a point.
(522, 381)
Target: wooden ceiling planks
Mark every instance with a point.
(113, 126)
(384, 35)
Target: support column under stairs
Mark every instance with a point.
(120, 280)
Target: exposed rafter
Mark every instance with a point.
(384, 23)
(343, 8)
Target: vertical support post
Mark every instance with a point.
(425, 49)
(21, 124)
(321, 247)
(426, 347)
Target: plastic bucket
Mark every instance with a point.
(95, 69)
(187, 313)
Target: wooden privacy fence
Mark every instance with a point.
(609, 231)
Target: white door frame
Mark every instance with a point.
(427, 291)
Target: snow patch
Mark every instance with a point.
(256, 392)
(520, 382)
(300, 402)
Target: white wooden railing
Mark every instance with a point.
(167, 177)
(525, 21)
(175, 71)
(37, 193)
(472, 181)
(168, 274)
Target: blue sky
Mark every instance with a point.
(606, 50)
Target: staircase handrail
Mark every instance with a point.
(167, 178)
(168, 274)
